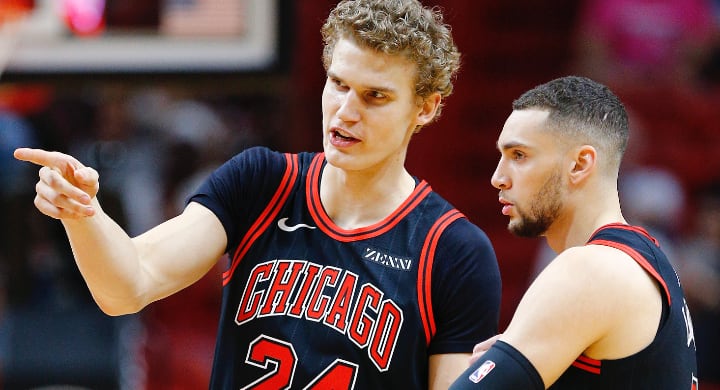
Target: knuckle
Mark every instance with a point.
(52, 178)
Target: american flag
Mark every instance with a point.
(203, 17)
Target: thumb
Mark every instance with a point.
(87, 179)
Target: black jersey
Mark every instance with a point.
(309, 305)
(669, 361)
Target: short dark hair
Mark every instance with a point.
(582, 109)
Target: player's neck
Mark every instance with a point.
(581, 219)
(359, 199)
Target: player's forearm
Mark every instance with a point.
(445, 368)
(108, 261)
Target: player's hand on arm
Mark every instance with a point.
(480, 348)
(66, 188)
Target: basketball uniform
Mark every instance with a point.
(309, 305)
(669, 361)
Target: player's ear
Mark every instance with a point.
(583, 163)
(428, 109)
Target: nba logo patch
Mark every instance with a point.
(482, 371)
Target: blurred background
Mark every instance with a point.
(154, 94)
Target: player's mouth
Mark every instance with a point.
(340, 138)
(506, 206)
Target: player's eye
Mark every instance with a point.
(338, 84)
(376, 95)
(518, 155)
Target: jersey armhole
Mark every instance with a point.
(424, 282)
(269, 214)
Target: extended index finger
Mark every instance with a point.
(63, 162)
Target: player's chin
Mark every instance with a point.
(342, 159)
(333, 156)
(515, 226)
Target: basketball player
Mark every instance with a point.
(346, 271)
(608, 312)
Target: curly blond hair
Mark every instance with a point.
(398, 27)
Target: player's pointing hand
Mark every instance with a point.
(66, 187)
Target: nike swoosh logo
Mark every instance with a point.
(282, 224)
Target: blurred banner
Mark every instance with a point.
(136, 36)
(203, 17)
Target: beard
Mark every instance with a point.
(544, 210)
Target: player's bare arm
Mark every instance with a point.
(445, 368)
(590, 300)
(123, 274)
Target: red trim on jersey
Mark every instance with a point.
(585, 363)
(427, 257)
(639, 259)
(323, 221)
(267, 216)
(622, 226)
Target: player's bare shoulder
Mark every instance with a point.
(618, 292)
(582, 264)
(599, 268)
(594, 281)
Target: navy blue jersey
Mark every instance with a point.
(307, 304)
(669, 361)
